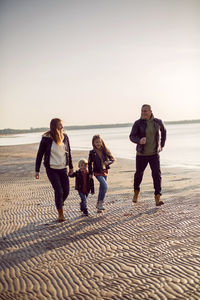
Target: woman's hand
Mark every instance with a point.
(70, 172)
(37, 175)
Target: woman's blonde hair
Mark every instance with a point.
(82, 161)
(105, 149)
(56, 134)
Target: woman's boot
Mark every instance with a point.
(158, 201)
(61, 217)
(136, 196)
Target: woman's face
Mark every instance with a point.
(98, 143)
(60, 126)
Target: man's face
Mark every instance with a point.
(146, 113)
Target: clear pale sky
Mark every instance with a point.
(98, 61)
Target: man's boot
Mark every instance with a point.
(61, 217)
(158, 201)
(136, 196)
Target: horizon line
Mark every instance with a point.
(103, 125)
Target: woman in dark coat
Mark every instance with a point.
(55, 148)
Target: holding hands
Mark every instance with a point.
(70, 172)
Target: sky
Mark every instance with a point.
(98, 61)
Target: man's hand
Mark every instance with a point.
(37, 175)
(143, 141)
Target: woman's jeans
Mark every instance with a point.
(83, 204)
(102, 188)
(60, 183)
(141, 164)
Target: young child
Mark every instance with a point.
(83, 184)
(99, 160)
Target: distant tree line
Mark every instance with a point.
(17, 131)
(8, 131)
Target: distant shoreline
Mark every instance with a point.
(10, 131)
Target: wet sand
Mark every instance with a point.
(130, 251)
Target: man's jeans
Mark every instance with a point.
(60, 183)
(83, 203)
(141, 164)
(102, 188)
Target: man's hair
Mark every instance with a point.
(147, 105)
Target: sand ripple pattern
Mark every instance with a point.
(128, 252)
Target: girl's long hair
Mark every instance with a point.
(104, 147)
(56, 134)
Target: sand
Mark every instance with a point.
(131, 251)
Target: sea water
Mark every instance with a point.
(182, 148)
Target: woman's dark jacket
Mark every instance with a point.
(139, 130)
(45, 150)
(95, 164)
(79, 182)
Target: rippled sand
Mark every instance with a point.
(131, 251)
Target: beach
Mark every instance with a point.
(130, 251)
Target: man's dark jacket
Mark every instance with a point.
(139, 131)
(79, 182)
(45, 150)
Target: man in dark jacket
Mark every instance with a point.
(146, 134)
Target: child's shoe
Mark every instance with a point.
(85, 212)
(100, 205)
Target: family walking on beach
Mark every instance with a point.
(148, 133)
